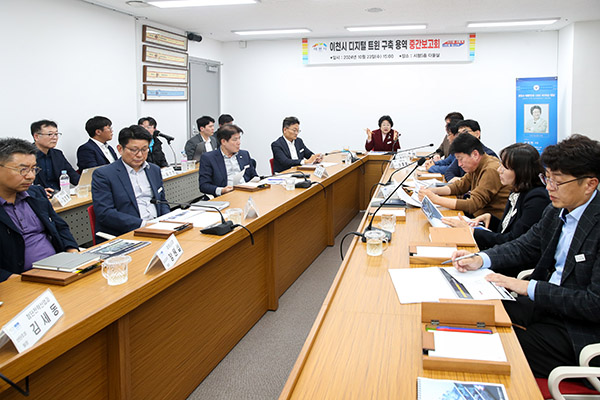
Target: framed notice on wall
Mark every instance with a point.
(165, 75)
(164, 38)
(162, 56)
(156, 92)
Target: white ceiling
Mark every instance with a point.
(328, 18)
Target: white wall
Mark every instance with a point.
(586, 83)
(266, 82)
(565, 81)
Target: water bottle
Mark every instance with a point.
(184, 164)
(65, 186)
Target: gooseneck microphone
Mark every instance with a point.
(219, 229)
(389, 181)
(370, 226)
(164, 135)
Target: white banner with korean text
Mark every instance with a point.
(389, 49)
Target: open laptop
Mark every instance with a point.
(86, 176)
(434, 216)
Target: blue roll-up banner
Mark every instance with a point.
(537, 111)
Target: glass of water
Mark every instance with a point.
(114, 269)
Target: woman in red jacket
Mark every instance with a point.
(383, 139)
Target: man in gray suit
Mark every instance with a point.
(204, 141)
(558, 310)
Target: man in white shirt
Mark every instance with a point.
(204, 141)
(289, 150)
(96, 151)
(123, 191)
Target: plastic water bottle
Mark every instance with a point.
(184, 164)
(65, 186)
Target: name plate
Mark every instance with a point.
(167, 256)
(321, 172)
(31, 324)
(167, 172)
(251, 209)
(63, 198)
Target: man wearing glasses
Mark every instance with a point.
(30, 229)
(122, 191)
(289, 150)
(557, 312)
(51, 160)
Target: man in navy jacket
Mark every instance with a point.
(51, 160)
(30, 229)
(289, 150)
(220, 169)
(123, 191)
(96, 151)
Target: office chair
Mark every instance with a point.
(272, 170)
(92, 218)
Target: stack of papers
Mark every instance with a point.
(469, 346)
(417, 285)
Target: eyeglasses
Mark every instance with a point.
(554, 185)
(25, 170)
(138, 151)
(295, 130)
(55, 134)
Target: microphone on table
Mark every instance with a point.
(219, 229)
(411, 149)
(389, 153)
(370, 226)
(164, 135)
(389, 181)
(296, 174)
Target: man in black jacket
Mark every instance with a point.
(30, 229)
(156, 155)
(289, 150)
(558, 310)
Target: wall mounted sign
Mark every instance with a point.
(163, 56)
(164, 38)
(165, 75)
(154, 92)
(537, 111)
(389, 49)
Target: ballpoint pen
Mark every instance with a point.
(460, 258)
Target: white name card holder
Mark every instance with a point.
(167, 172)
(32, 323)
(251, 209)
(167, 256)
(321, 172)
(63, 198)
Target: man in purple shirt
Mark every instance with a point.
(30, 229)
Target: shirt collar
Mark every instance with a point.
(99, 143)
(576, 213)
(133, 171)
(225, 156)
(20, 197)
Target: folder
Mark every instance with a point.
(457, 236)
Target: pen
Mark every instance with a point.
(460, 258)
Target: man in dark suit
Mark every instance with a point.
(30, 229)
(156, 155)
(221, 169)
(122, 191)
(559, 307)
(289, 150)
(96, 151)
(204, 141)
(51, 160)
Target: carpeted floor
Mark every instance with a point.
(258, 366)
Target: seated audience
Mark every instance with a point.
(454, 171)
(96, 151)
(557, 312)
(225, 119)
(441, 166)
(204, 141)
(520, 168)
(221, 169)
(289, 150)
(383, 139)
(155, 155)
(30, 229)
(122, 191)
(444, 149)
(488, 194)
(51, 160)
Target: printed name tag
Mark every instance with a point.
(167, 172)
(63, 198)
(31, 324)
(167, 255)
(580, 257)
(321, 172)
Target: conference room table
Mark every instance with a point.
(158, 335)
(179, 188)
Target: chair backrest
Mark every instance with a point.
(271, 162)
(92, 217)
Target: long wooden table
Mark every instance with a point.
(364, 344)
(159, 335)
